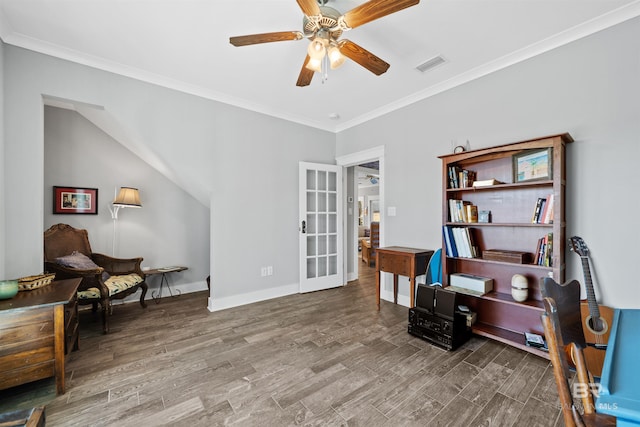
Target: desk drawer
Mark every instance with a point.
(397, 264)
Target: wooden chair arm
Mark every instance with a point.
(118, 266)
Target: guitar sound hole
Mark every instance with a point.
(597, 326)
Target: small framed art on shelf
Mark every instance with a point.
(533, 165)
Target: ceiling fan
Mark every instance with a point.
(324, 25)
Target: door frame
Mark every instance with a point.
(346, 161)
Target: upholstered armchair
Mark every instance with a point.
(67, 253)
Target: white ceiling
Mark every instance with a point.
(184, 44)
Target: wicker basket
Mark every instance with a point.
(30, 283)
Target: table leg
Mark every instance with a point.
(58, 340)
(378, 288)
(412, 291)
(164, 280)
(395, 288)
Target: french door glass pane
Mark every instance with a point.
(311, 180)
(322, 180)
(322, 223)
(311, 268)
(333, 264)
(332, 225)
(311, 224)
(322, 266)
(332, 203)
(322, 202)
(333, 182)
(311, 245)
(311, 201)
(333, 244)
(322, 245)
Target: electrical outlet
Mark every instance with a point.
(270, 270)
(263, 271)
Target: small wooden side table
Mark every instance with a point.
(164, 271)
(409, 262)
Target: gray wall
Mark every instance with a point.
(172, 227)
(590, 88)
(242, 164)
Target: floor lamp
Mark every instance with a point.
(128, 197)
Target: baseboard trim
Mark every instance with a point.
(217, 304)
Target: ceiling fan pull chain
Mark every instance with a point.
(325, 69)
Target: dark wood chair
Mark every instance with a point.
(125, 275)
(558, 352)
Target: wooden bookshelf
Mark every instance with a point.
(511, 204)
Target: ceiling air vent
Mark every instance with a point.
(430, 63)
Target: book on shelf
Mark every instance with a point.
(537, 210)
(462, 211)
(459, 242)
(547, 215)
(543, 210)
(460, 178)
(450, 244)
(472, 213)
(544, 251)
(486, 183)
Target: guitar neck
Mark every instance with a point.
(591, 295)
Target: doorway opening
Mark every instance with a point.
(361, 209)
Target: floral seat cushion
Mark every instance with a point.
(115, 284)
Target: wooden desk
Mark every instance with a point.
(620, 382)
(409, 262)
(32, 334)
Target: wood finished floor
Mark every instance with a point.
(325, 358)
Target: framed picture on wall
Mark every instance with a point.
(75, 200)
(532, 165)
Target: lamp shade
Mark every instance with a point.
(128, 197)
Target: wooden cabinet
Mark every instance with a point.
(34, 330)
(512, 203)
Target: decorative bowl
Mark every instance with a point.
(8, 289)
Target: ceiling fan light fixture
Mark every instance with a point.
(336, 58)
(314, 64)
(316, 49)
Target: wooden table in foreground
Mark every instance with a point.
(32, 334)
(409, 262)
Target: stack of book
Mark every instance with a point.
(462, 211)
(460, 178)
(544, 251)
(543, 210)
(459, 242)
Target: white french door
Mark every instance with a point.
(320, 226)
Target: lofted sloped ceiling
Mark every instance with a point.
(184, 45)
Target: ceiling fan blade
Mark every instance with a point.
(304, 79)
(363, 57)
(375, 9)
(309, 7)
(279, 36)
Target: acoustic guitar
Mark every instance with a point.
(596, 320)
